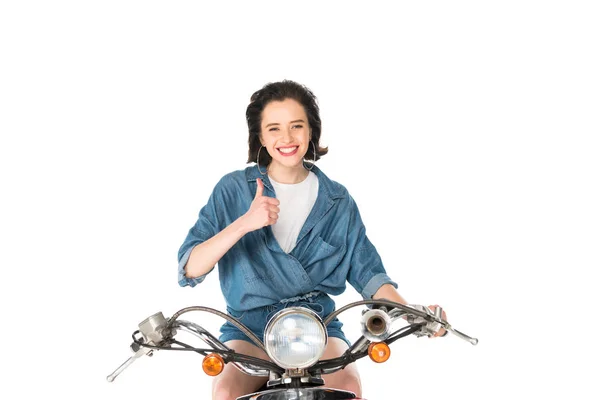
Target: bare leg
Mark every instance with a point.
(232, 383)
(344, 379)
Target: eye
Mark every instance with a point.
(297, 126)
(274, 129)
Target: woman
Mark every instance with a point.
(283, 234)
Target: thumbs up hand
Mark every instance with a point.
(263, 211)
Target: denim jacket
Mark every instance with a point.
(332, 247)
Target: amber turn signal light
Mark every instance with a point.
(379, 352)
(213, 364)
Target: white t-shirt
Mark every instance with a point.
(296, 200)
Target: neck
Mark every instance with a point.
(288, 175)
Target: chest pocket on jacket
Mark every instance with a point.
(321, 254)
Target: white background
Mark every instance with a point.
(467, 132)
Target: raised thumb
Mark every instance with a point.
(259, 188)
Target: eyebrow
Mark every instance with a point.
(291, 122)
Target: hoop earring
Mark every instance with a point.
(257, 164)
(314, 158)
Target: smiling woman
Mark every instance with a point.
(284, 118)
(286, 138)
(283, 234)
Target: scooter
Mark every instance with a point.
(295, 340)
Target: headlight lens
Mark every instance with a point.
(295, 338)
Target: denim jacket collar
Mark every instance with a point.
(331, 189)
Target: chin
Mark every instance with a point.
(290, 163)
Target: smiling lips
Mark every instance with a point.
(288, 151)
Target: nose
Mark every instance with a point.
(287, 135)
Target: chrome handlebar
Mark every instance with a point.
(156, 329)
(158, 335)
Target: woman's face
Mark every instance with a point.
(285, 133)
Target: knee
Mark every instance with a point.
(345, 380)
(353, 385)
(222, 391)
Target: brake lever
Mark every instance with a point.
(142, 351)
(461, 335)
(433, 322)
(152, 333)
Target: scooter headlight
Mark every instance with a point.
(295, 337)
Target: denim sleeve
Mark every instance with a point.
(205, 227)
(367, 273)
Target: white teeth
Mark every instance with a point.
(288, 149)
